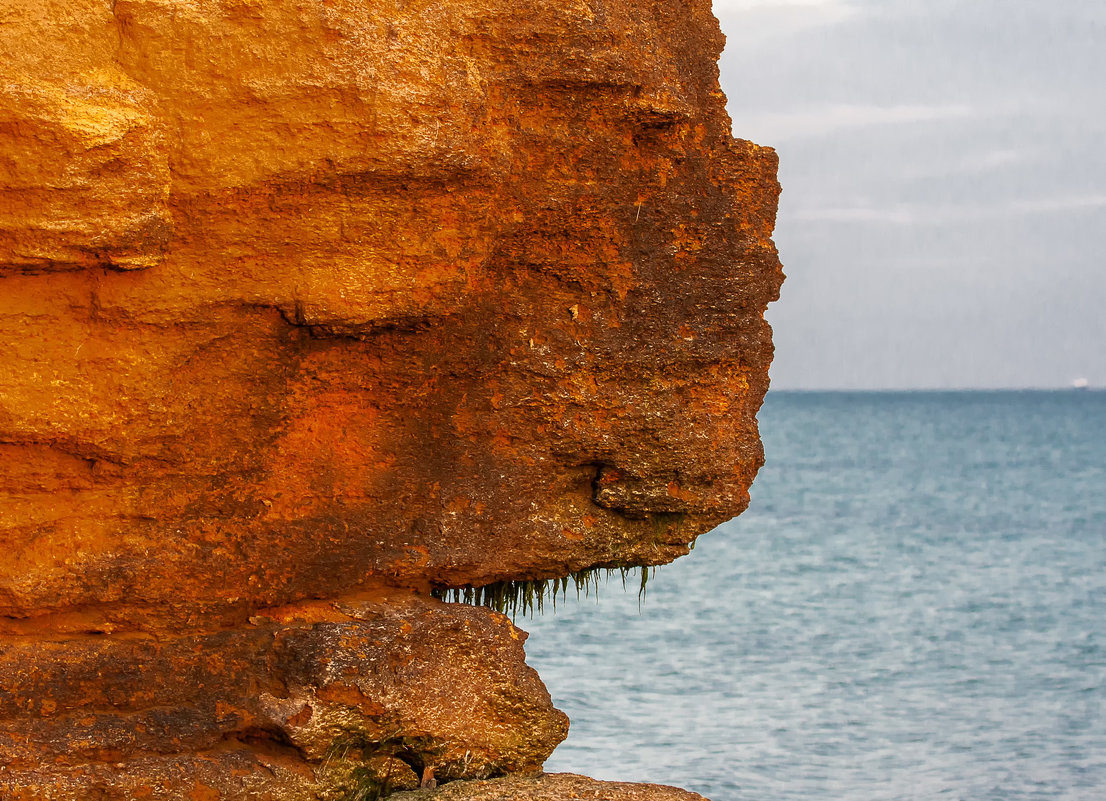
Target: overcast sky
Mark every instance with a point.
(943, 221)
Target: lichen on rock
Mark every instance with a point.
(316, 306)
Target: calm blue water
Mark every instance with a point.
(914, 607)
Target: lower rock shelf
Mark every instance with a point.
(548, 787)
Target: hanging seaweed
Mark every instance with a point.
(530, 595)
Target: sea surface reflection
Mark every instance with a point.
(913, 607)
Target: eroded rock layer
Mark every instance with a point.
(308, 302)
(302, 703)
(549, 787)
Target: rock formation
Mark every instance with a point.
(550, 787)
(311, 310)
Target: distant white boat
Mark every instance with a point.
(1079, 383)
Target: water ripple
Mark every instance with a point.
(914, 607)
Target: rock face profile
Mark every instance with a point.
(312, 311)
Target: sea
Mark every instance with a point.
(913, 607)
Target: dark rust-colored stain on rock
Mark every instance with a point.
(311, 305)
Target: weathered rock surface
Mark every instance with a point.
(549, 787)
(310, 303)
(301, 703)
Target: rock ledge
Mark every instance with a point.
(548, 787)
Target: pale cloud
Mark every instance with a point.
(994, 160)
(914, 133)
(1060, 204)
(974, 164)
(721, 6)
(750, 24)
(918, 214)
(858, 214)
(820, 120)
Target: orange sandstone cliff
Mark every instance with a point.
(313, 310)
